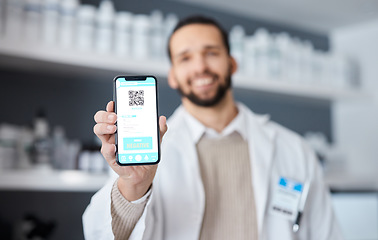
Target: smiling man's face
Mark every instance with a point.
(201, 66)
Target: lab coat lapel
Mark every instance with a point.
(261, 147)
(191, 157)
(196, 186)
(192, 161)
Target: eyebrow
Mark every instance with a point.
(207, 47)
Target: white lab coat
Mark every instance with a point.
(176, 206)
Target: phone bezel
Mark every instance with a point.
(137, 78)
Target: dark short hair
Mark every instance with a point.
(199, 19)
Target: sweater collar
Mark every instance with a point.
(197, 129)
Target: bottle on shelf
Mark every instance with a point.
(85, 28)
(274, 56)
(14, 15)
(42, 142)
(32, 21)
(104, 27)
(169, 23)
(295, 69)
(50, 21)
(305, 62)
(343, 72)
(59, 147)
(122, 33)
(91, 160)
(237, 35)
(157, 34)
(24, 148)
(140, 33)
(84, 161)
(72, 155)
(283, 45)
(2, 18)
(249, 57)
(98, 163)
(67, 22)
(262, 41)
(8, 151)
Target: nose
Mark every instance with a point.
(200, 64)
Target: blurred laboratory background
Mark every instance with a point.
(310, 65)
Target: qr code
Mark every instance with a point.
(136, 98)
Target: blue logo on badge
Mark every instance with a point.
(283, 182)
(289, 184)
(298, 187)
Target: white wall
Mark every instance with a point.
(356, 214)
(355, 122)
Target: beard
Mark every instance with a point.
(221, 91)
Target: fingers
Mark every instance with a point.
(105, 127)
(163, 126)
(108, 151)
(104, 131)
(105, 117)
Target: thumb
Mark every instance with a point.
(162, 126)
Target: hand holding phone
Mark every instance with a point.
(137, 136)
(134, 181)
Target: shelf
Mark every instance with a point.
(51, 180)
(79, 181)
(96, 63)
(301, 90)
(82, 59)
(350, 181)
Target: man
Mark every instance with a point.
(225, 172)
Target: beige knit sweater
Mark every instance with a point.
(226, 176)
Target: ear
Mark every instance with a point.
(172, 82)
(234, 65)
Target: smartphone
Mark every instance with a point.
(136, 106)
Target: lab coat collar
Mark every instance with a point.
(197, 129)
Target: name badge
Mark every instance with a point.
(286, 196)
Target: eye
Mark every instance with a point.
(184, 59)
(212, 53)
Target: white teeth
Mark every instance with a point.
(202, 81)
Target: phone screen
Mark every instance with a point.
(137, 136)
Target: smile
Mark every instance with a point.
(202, 82)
